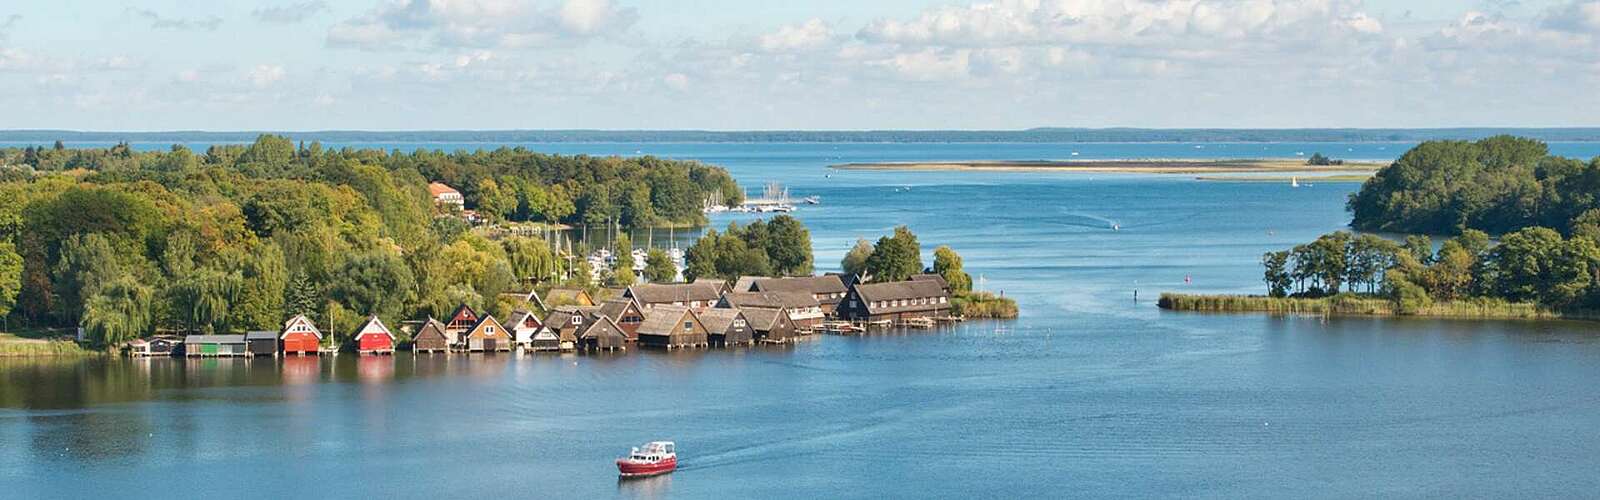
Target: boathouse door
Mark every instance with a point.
(489, 345)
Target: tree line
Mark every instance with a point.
(125, 243)
(1535, 265)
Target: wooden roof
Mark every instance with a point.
(704, 291)
(936, 278)
(810, 284)
(792, 300)
(602, 326)
(297, 320)
(371, 326)
(664, 320)
(214, 339)
(616, 308)
(261, 335)
(762, 319)
(873, 293)
(718, 319)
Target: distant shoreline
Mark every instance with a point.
(1149, 166)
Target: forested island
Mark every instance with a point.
(1526, 241)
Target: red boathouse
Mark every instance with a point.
(300, 336)
(374, 337)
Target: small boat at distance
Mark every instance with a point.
(655, 458)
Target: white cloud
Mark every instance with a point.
(676, 81)
(160, 22)
(1581, 17)
(479, 23)
(812, 34)
(290, 13)
(265, 74)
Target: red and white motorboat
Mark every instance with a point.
(657, 457)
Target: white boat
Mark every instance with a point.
(1294, 182)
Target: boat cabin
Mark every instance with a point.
(897, 301)
(463, 319)
(602, 334)
(771, 326)
(725, 327)
(626, 313)
(673, 327)
(214, 346)
(486, 336)
(524, 325)
(432, 337)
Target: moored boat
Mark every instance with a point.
(656, 457)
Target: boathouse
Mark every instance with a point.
(566, 323)
(699, 295)
(725, 327)
(486, 336)
(602, 334)
(626, 313)
(803, 308)
(262, 343)
(524, 325)
(771, 326)
(214, 346)
(432, 337)
(828, 290)
(896, 302)
(460, 321)
(160, 345)
(672, 327)
(374, 337)
(300, 336)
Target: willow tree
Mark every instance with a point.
(120, 311)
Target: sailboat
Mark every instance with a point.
(1294, 182)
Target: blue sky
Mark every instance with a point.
(826, 64)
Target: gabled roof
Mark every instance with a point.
(602, 326)
(873, 293)
(746, 283)
(373, 326)
(261, 335)
(437, 188)
(615, 308)
(717, 320)
(483, 320)
(810, 284)
(704, 291)
(792, 300)
(464, 311)
(936, 278)
(664, 319)
(435, 325)
(520, 317)
(300, 319)
(763, 319)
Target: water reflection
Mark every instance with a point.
(645, 487)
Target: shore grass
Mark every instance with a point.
(1360, 305)
(983, 305)
(1282, 179)
(15, 346)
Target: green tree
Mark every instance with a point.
(947, 263)
(658, 267)
(375, 282)
(621, 272)
(118, 312)
(494, 201)
(86, 263)
(788, 246)
(895, 258)
(855, 260)
(1277, 274)
(531, 259)
(10, 277)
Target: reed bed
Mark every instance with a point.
(1360, 305)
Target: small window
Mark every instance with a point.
(577, 320)
(489, 330)
(688, 325)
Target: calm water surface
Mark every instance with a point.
(1089, 394)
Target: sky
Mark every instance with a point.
(823, 64)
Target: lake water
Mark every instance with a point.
(1090, 393)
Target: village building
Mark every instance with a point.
(160, 345)
(626, 313)
(446, 196)
(771, 326)
(486, 336)
(725, 327)
(934, 277)
(300, 336)
(804, 310)
(374, 337)
(566, 323)
(463, 319)
(524, 325)
(214, 346)
(672, 327)
(699, 295)
(828, 290)
(557, 297)
(432, 337)
(261, 343)
(602, 334)
(896, 301)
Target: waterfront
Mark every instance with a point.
(1089, 393)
